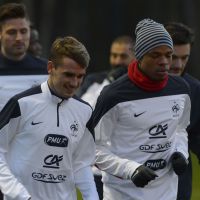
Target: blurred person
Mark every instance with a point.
(121, 54)
(15, 38)
(46, 150)
(19, 70)
(121, 51)
(183, 39)
(140, 123)
(35, 47)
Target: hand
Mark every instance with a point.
(142, 176)
(179, 162)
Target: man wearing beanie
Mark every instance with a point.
(140, 123)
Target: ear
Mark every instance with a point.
(50, 67)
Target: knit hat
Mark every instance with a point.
(150, 34)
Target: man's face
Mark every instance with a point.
(15, 36)
(155, 64)
(66, 78)
(35, 47)
(179, 59)
(121, 54)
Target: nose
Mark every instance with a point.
(177, 63)
(164, 60)
(18, 36)
(118, 60)
(74, 82)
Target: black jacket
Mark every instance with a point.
(194, 127)
(27, 66)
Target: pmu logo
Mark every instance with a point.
(74, 129)
(155, 164)
(56, 140)
(53, 161)
(158, 131)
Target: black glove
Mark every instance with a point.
(142, 176)
(116, 72)
(179, 162)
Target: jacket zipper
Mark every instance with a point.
(58, 119)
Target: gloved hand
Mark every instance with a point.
(142, 176)
(179, 162)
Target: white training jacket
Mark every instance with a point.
(134, 127)
(46, 151)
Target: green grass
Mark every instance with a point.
(196, 179)
(79, 195)
(195, 183)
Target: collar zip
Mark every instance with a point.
(58, 106)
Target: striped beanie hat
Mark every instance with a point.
(150, 34)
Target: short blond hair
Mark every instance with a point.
(69, 47)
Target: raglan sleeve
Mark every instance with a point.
(9, 121)
(104, 124)
(181, 131)
(194, 142)
(194, 127)
(83, 159)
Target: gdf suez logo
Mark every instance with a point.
(158, 131)
(53, 161)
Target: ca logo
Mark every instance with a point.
(52, 161)
(158, 131)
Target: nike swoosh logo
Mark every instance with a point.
(137, 115)
(35, 123)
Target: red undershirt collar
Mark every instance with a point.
(143, 81)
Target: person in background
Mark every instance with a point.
(121, 54)
(140, 123)
(46, 150)
(19, 70)
(15, 38)
(183, 39)
(35, 47)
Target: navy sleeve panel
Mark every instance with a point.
(88, 123)
(194, 144)
(195, 102)
(82, 101)
(194, 127)
(124, 89)
(10, 110)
